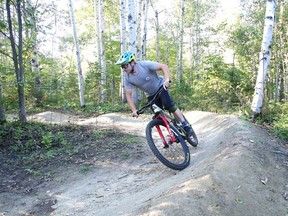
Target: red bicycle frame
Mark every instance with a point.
(166, 123)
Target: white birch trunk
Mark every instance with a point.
(103, 55)
(264, 56)
(191, 54)
(144, 37)
(132, 26)
(32, 34)
(123, 42)
(157, 36)
(180, 60)
(132, 37)
(197, 38)
(97, 30)
(139, 29)
(80, 75)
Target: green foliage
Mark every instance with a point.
(281, 126)
(246, 43)
(98, 134)
(220, 87)
(276, 115)
(216, 87)
(85, 169)
(47, 139)
(30, 137)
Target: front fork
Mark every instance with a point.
(171, 134)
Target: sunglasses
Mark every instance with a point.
(125, 66)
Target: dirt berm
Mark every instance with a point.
(236, 170)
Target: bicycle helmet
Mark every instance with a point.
(126, 57)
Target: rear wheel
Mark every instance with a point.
(193, 140)
(174, 155)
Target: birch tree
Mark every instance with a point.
(139, 29)
(97, 30)
(78, 55)
(157, 29)
(102, 50)
(264, 56)
(144, 37)
(132, 37)
(32, 34)
(123, 41)
(180, 54)
(17, 56)
(132, 25)
(157, 35)
(197, 37)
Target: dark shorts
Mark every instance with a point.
(164, 100)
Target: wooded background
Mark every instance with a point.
(61, 54)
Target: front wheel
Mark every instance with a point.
(173, 154)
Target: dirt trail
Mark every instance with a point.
(233, 171)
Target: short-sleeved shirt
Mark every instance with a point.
(146, 79)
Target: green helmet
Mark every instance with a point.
(126, 57)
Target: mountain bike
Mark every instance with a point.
(166, 136)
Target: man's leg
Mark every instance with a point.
(178, 114)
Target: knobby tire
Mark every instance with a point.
(176, 156)
(193, 140)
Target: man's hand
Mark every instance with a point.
(166, 84)
(134, 114)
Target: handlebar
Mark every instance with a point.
(151, 102)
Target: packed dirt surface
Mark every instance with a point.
(237, 169)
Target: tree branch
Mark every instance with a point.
(6, 54)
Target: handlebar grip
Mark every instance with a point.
(140, 112)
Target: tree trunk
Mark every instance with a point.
(132, 26)
(97, 30)
(157, 36)
(180, 60)
(283, 54)
(264, 56)
(144, 38)
(139, 29)
(2, 110)
(103, 55)
(123, 42)
(197, 38)
(32, 34)
(191, 54)
(17, 58)
(80, 75)
(132, 38)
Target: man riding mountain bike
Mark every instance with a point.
(143, 75)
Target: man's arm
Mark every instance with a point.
(165, 69)
(131, 102)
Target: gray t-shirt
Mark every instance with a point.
(147, 78)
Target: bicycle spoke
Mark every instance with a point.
(173, 152)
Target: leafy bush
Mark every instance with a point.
(276, 115)
(281, 127)
(18, 137)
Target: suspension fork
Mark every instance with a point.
(171, 135)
